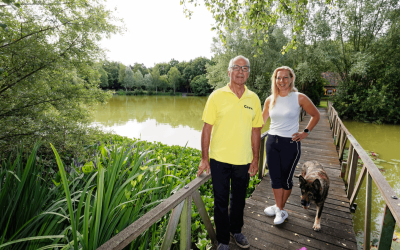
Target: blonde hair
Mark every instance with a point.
(274, 88)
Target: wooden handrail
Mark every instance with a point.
(135, 229)
(349, 169)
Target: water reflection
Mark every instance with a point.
(173, 120)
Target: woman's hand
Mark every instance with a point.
(299, 136)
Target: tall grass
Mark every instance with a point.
(92, 202)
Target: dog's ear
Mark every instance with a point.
(317, 185)
(302, 180)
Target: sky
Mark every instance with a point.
(157, 31)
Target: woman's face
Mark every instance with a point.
(283, 80)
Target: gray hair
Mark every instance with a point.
(232, 61)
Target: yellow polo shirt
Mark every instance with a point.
(232, 119)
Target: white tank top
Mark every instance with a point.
(285, 115)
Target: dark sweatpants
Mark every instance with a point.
(282, 154)
(234, 180)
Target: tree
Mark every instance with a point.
(200, 85)
(256, 17)
(141, 68)
(163, 82)
(148, 82)
(155, 75)
(174, 77)
(129, 80)
(121, 73)
(103, 77)
(49, 78)
(112, 69)
(138, 79)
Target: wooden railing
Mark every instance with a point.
(349, 170)
(180, 203)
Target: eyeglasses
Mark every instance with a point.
(244, 68)
(282, 79)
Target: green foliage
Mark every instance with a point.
(50, 80)
(257, 17)
(174, 77)
(138, 79)
(121, 181)
(200, 85)
(129, 80)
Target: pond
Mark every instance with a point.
(176, 120)
(172, 120)
(383, 140)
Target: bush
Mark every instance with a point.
(200, 85)
(150, 92)
(121, 92)
(171, 92)
(129, 93)
(140, 92)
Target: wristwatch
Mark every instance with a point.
(307, 131)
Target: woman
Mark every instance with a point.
(283, 147)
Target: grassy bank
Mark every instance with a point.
(84, 204)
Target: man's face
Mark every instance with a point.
(239, 77)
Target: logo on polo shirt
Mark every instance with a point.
(247, 107)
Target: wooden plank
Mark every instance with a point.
(388, 224)
(172, 225)
(204, 216)
(302, 236)
(367, 220)
(358, 185)
(186, 229)
(304, 219)
(135, 229)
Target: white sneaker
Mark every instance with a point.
(271, 211)
(280, 216)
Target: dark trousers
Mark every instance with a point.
(230, 182)
(283, 154)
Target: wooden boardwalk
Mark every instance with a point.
(297, 232)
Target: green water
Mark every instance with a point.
(176, 120)
(384, 140)
(173, 120)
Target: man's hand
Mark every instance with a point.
(253, 168)
(204, 165)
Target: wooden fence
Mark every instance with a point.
(349, 170)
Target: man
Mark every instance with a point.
(232, 119)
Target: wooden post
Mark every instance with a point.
(342, 144)
(186, 229)
(352, 174)
(349, 157)
(204, 216)
(388, 224)
(367, 221)
(358, 185)
(344, 168)
(261, 159)
(338, 133)
(172, 225)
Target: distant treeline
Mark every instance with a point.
(174, 76)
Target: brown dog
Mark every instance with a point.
(314, 185)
